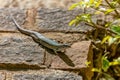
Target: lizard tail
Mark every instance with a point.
(27, 32)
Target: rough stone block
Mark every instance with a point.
(6, 23)
(19, 51)
(41, 20)
(47, 75)
(58, 19)
(16, 49)
(74, 58)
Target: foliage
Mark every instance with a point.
(107, 33)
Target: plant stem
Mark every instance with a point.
(100, 27)
(112, 7)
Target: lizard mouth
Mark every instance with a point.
(66, 45)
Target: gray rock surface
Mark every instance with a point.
(53, 75)
(19, 49)
(58, 19)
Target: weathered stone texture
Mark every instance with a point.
(58, 19)
(6, 22)
(74, 57)
(47, 75)
(19, 49)
(46, 19)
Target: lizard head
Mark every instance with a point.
(63, 47)
(66, 45)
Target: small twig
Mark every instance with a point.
(112, 7)
(100, 27)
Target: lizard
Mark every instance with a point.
(42, 40)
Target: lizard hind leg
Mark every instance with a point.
(55, 52)
(50, 51)
(60, 52)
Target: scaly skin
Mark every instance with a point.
(39, 38)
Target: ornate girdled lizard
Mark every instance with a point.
(42, 40)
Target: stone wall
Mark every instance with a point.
(23, 59)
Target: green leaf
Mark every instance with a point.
(98, 3)
(109, 11)
(73, 6)
(113, 3)
(72, 22)
(88, 63)
(117, 37)
(97, 12)
(86, 17)
(107, 24)
(75, 21)
(116, 29)
(83, 4)
(105, 63)
(111, 40)
(91, 1)
(79, 18)
(118, 59)
(96, 70)
(105, 39)
(115, 62)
